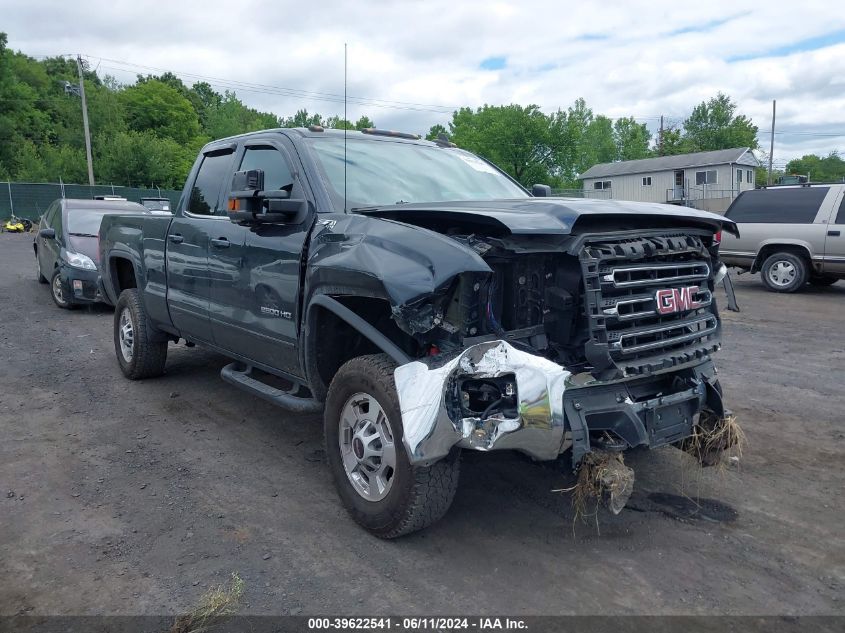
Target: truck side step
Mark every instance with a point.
(239, 375)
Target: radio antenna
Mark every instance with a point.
(344, 127)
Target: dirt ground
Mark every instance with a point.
(121, 497)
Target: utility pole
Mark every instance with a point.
(772, 141)
(660, 141)
(85, 121)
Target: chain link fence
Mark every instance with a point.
(30, 199)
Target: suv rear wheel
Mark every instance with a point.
(784, 272)
(374, 478)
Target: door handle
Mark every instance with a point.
(220, 242)
(176, 238)
(833, 233)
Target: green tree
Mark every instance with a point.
(715, 125)
(632, 139)
(143, 158)
(673, 142)
(520, 139)
(337, 123)
(599, 143)
(302, 119)
(232, 117)
(435, 132)
(154, 106)
(364, 123)
(828, 169)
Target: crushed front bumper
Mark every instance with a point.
(554, 409)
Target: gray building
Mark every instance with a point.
(705, 180)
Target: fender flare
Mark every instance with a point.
(757, 264)
(342, 312)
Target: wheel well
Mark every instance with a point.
(331, 341)
(124, 275)
(770, 249)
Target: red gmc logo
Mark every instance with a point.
(671, 300)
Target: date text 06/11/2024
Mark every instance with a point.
(416, 623)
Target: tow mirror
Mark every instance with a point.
(48, 234)
(541, 191)
(250, 204)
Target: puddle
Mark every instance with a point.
(688, 509)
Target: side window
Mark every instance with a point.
(212, 173)
(786, 206)
(277, 173)
(840, 215)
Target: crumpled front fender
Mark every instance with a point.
(430, 432)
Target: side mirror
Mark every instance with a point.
(541, 191)
(265, 207)
(48, 234)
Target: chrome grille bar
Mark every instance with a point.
(708, 325)
(657, 273)
(704, 297)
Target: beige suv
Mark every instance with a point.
(790, 234)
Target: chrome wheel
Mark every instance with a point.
(367, 447)
(782, 273)
(126, 334)
(58, 292)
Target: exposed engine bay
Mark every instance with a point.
(599, 340)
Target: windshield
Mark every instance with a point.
(384, 173)
(84, 222)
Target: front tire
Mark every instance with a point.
(60, 292)
(377, 484)
(784, 272)
(138, 355)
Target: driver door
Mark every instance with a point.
(255, 271)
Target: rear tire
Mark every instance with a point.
(823, 280)
(784, 272)
(387, 501)
(138, 356)
(60, 292)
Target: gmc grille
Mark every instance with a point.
(649, 303)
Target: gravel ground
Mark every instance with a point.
(126, 497)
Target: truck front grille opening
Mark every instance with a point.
(649, 303)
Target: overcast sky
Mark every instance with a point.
(411, 63)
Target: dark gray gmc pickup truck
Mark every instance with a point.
(427, 304)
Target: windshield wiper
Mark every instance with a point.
(82, 234)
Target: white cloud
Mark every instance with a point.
(622, 59)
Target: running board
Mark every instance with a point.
(238, 374)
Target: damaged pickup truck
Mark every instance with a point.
(427, 304)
